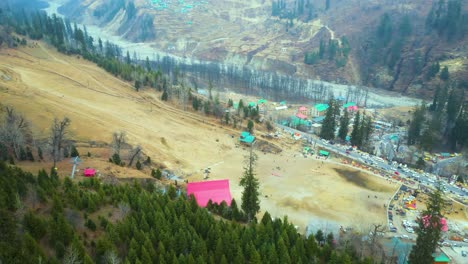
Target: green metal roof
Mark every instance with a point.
(441, 258)
(297, 121)
(321, 107)
(262, 101)
(324, 153)
(283, 103)
(246, 137)
(253, 104)
(349, 104)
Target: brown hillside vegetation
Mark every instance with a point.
(42, 84)
(245, 33)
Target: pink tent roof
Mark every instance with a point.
(352, 108)
(302, 108)
(217, 191)
(301, 116)
(89, 172)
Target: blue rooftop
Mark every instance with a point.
(246, 137)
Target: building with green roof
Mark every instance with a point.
(246, 137)
(321, 107)
(349, 104)
(324, 153)
(441, 258)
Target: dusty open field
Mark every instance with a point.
(43, 84)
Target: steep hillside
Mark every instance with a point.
(346, 41)
(42, 84)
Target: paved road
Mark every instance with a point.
(376, 162)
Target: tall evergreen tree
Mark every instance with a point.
(250, 195)
(414, 130)
(444, 74)
(329, 123)
(344, 123)
(430, 230)
(356, 135)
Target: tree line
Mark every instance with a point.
(395, 34)
(336, 50)
(159, 72)
(442, 124)
(17, 141)
(336, 125)
(97, 222)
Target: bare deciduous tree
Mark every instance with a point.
(118, 140)
(14, 131)
(124, 209)
(111, 258)
(135, 153)
(374, 241)
(71, 256)
(57, 137)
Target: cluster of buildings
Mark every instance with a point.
(311, 118)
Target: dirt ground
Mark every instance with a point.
(43, 84)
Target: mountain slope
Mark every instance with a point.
(278, 38)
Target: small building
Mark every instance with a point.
(301, 116)
(340, 98)
(445, 155)
(217, 191)
(382, 124)
(89, 172)
(350, 107)
(246, 137)
(324, 153)
(303, 110)
(318, 119)
(319, 109)
(315, 128)
(297, 136)
(440, 258)
(281, 107)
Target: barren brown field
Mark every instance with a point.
(43, 84)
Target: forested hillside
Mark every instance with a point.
(46, 219)
(394, 45)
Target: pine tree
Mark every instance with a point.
(250, 195)
(414, 130)
(29, 154)
(165, 95)
(344, 123)
(74, 152)
(322, 49)
(319, 236)
(250, 126)
(329, 123)
(444, 74)
(429, 233)
(356, 134)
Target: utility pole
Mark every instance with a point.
(75, 161)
